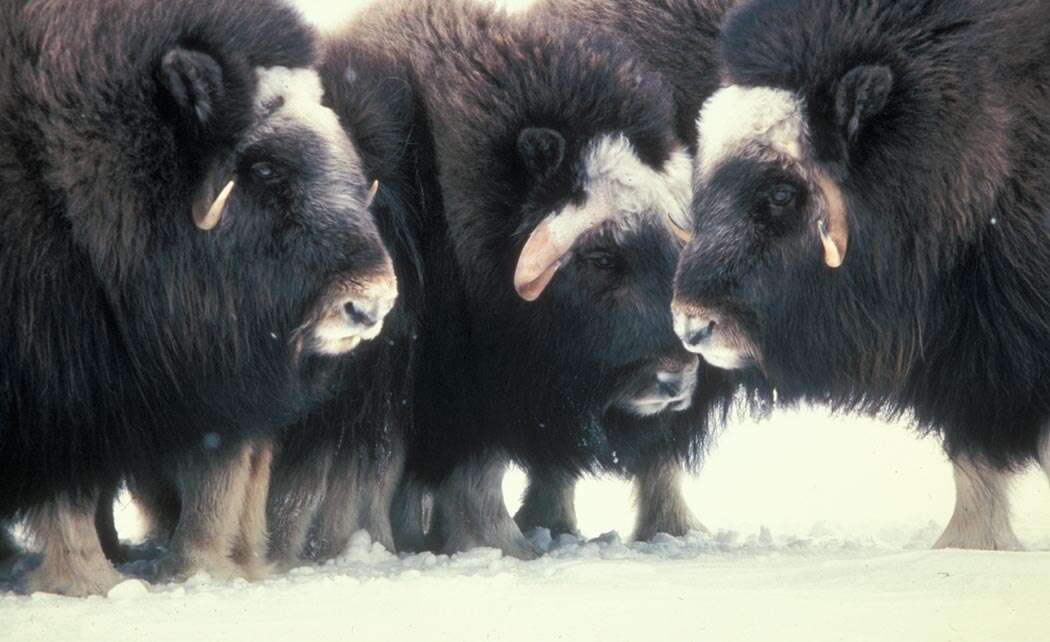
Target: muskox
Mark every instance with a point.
(186, 245)
(871, 227)
(336, 472)
(550, 261)
(676, 39)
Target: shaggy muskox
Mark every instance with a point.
(186, 244)
(559, 171)
(337, 472)
(677, 39)
(871, 227)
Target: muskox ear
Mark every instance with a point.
(193, 80)
(542, 150)
(862, 93)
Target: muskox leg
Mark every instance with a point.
(249, 548)
(336, 516)
(981, 520)
(661, 506)
(549, 503)
(1044, 454)
(159, 505)
(297, 488)
(360, 496)
(8, 549)
(408, 517)
(377, 512)
(108, 537)
(72, 562)
(213, 492)
(469, 512)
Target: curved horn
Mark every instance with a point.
(207, 220)
(372, 193)
(539, 261)
(683, 234)
(833, 226)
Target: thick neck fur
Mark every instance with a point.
(677, 38)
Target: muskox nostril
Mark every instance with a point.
(669, 388)
(356, 314)
(700, 336)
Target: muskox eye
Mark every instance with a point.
(264, 171)
(602, 260)
(783, 195)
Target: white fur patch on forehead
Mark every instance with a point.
(282, 83)
(294, 94)
(620, 186)
(737, 118)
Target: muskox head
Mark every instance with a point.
(764, 207)
(279, 204)
(596, 267)
(808, 192)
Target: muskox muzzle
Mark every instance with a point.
(350, 312)
(668, 387)
(715, 333)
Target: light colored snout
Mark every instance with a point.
(671, 389)
(712, 335)
(355, 315)
(695, 327)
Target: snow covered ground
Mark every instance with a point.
(822, 528)
(819, 587)
(814, 588)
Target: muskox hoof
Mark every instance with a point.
(549, 503)
(981, 520)
(522, 549)
(73, 580)
(252, 563)
(978, 541)
(512, 544)
(145, 552)
(179, 568)
(661, 505)
(255, 570)
(285, 563)
(675, 526)
(529, 520)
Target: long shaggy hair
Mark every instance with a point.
(940, 308)
(677, 38)
(497, 374)
(128, 333)
(348, 444)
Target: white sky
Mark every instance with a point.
(797, 468)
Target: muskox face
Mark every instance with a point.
(771, 226)
(597, 270)
(287, 199)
